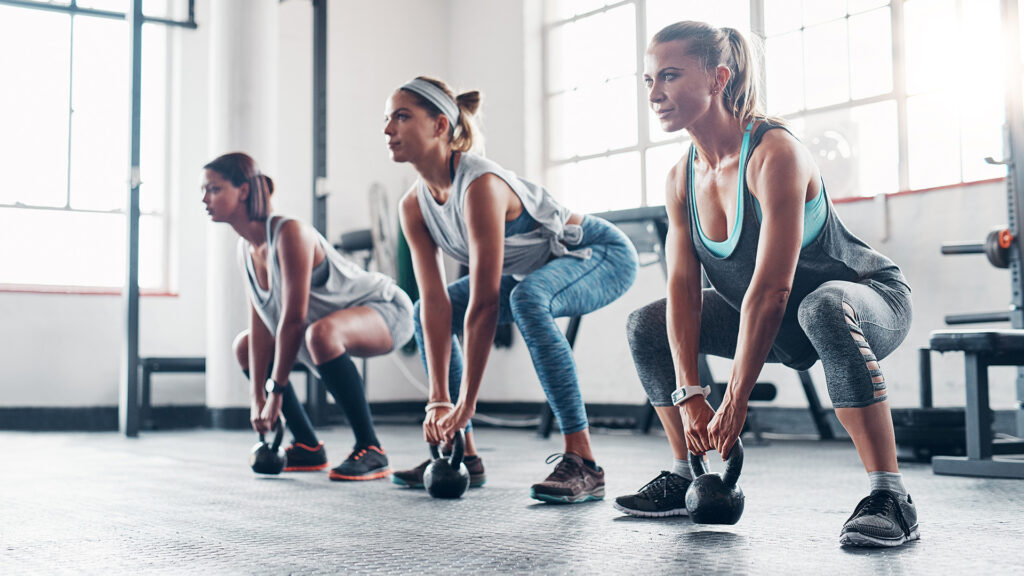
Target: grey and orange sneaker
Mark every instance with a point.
(303, 458)
(881, 519)
(413, 477)
(370, 463)
(572, 481)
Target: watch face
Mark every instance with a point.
(270, 385)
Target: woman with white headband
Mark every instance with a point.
(530, 261)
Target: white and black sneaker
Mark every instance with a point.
(661, 497)
(882, 519)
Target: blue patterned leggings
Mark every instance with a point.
(563, 287)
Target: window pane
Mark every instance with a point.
(585, 136)
(983, 114)
(122, 6)
(870, 54)
(607, 183)
(100, 131)
(560, 125)
(732, 13)
(855, 149)
(660, 160)
(855, 6)
(934, 146)
(155, 117)
(79, 248)
(34, 59)
(931, 34)
(173, 9)
(562, 9)
(781, 16)
(982, 44)
(818, 11)
(784, 73)
(826, 62)
(620, 121)
(559, 46)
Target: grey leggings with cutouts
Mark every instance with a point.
(849, 326)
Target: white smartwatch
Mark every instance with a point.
(684, 393)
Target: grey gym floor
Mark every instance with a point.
(185, 502)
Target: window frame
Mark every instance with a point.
(164, 210)
(898, 94)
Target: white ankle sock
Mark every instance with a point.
(682, 468)
(892, 481)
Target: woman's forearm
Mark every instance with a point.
(481, 325)
(436, 316)
(760, 317)
(286, 349)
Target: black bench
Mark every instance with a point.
(182, 364)
(981, 348)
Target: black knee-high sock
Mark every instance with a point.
(295, 417)
(344, 383)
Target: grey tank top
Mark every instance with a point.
(524, 252)
(836, 254)
(336, 284)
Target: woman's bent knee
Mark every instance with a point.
(241, 348)
(322, 343)
(640, 322)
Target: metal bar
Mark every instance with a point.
(1015, 187)
(814, 406)
(963, 248)
(979, 419)
(128, 411)
(924, 368)
(319, 113)
(977, 317)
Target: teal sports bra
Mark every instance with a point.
(815, 210)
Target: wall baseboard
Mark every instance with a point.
(773, 419)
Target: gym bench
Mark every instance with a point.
(180, 364)
(982, 348)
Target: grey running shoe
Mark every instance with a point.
(413, 477)
(369, 463)
(881, 519)
(572, 481)
(663, 496)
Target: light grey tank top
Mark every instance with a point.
(337, 283)
(524, 252)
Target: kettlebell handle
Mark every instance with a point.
(458, 449)
(278, 437)
(733, 464)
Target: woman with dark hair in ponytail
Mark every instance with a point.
(530, 261)
(307, 304)
(789, 282)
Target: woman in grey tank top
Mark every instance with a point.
(307, 304)
(530, 261)
(773, 297)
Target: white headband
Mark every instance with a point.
(435, 96)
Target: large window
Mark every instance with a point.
(879, 90)
(64, 138)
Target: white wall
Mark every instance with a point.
(64, 350)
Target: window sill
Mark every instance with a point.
(79, 290)
(919, 191)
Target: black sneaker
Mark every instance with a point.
(303, 458)
(663, 496)
(881, 519)
(413, 478)
(363, 464)
(572, 481)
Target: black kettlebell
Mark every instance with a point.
(448, 477)
(268, 458)
(714, 499)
